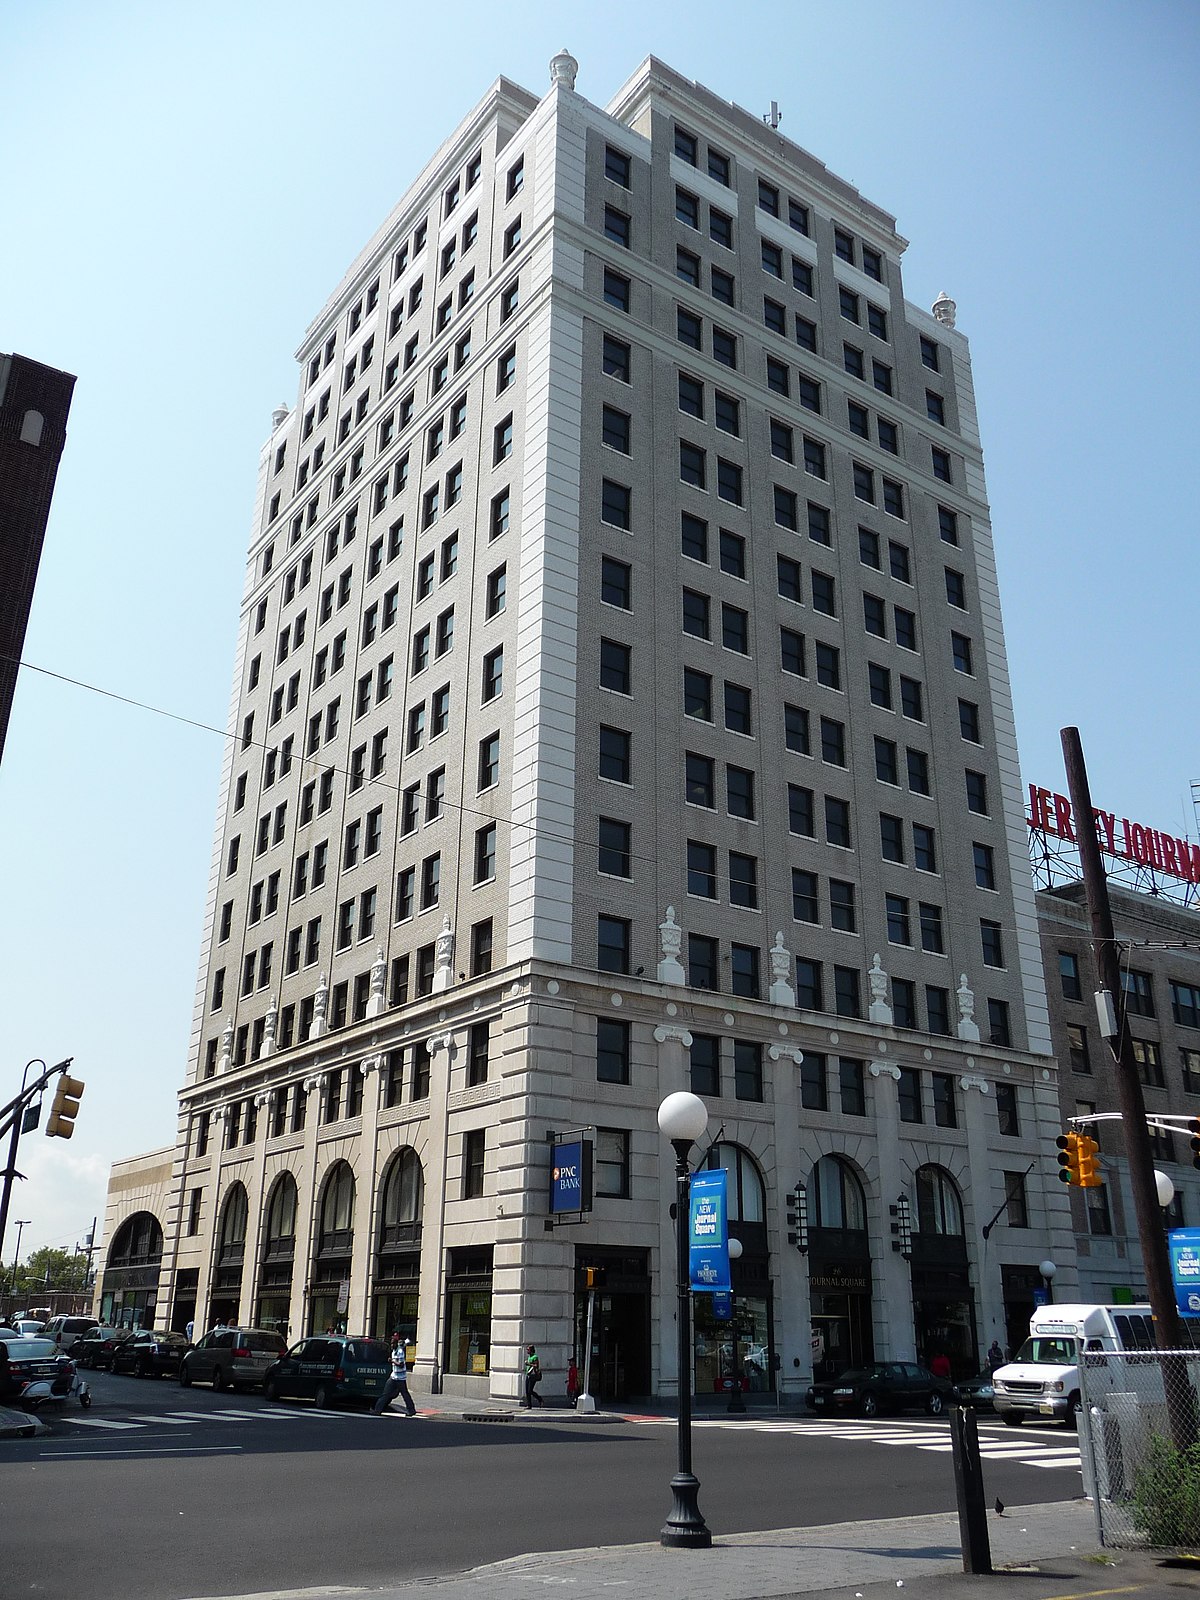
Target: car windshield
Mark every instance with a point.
(1042, 1352)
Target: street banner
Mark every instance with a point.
(708, 1233)
(722, 1307)
(1185, 1269)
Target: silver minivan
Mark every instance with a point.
(66, 1330)
(231, 1357)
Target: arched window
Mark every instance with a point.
(281, 1218)
(234, 1215)
(337, 1210)
(744, 1186)
(835, 1197)
(403, 1201)
(137, 1242)
(939, 1207)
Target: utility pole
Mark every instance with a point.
(1168, 1328)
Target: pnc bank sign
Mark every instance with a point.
(1051, 813)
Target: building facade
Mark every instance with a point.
(621, 705)
(34, 402)
(1161, 972)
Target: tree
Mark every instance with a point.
(49, 1268)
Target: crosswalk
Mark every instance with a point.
(188, 1419)
(1024, 1451)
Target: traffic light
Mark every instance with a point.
(595, 1277)
(1194, 1128)
(1068, 1158)
(61, 1123)
(1089, 1163)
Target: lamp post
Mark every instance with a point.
(736, 1402)
(20, 1223)
(1164, 1188)
(683, 1117)
(1047, 1270)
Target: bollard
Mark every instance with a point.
(968, 1491)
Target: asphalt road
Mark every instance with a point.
(186, 1493)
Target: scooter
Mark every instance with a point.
(45, 1391)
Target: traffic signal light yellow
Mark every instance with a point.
(1194, 1129)
(1089, 1163)
(65, 1108)
(1068, 1158)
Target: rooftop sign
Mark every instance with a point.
(1051, 813)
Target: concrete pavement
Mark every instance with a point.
(843, 1559)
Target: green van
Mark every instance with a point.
(329, 1369)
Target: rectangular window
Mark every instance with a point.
(612, 1051)
(747, 1070)
(613, 847)
(814, 1084)
(908, 1092)
(702, 962)
(945, 1104)
(474, 1155)
(705, 1064)
(1185, 1003)
(612, 944)
(612, 1163)
(809, 989)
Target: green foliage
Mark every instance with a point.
(48, 1268)
(1166, 1494)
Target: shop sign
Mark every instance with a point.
(570, 1175)
(1185, 1269)
(839, 1280)
(343, 1297)
(722, 1307)
(708, 1233)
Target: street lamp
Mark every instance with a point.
(736, 1402)
(19, 1223)
(683, 1117)
(1047, 1270)
(1164, 1187)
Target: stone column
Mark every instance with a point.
(976, 1091)
(892, 1301)
(427, 1369)
(255, 1219)
(366, 1208)
(793, 1304)
(306, 1208)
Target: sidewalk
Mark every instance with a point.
(844, 1559)
(19, 1425)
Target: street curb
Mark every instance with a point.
(19, 1425)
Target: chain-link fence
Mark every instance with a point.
(1138, 1435)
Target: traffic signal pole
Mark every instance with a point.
(1168, 1327)
(15, 1110)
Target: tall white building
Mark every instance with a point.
(622, 705)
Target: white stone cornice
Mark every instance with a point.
(673, 1033)
(370, 1064)
(441, 1041)
(881, 1069)
(970, 1080)
(313, 1081)
(262, 1099)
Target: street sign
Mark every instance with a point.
(343, 1297)
(708, 1233)
(1184, 1245)
(570, 1175)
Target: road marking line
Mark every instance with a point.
(149, 1450)
(204, 1416)
(99, 1422)
(1090, 1594)
(157, 1416)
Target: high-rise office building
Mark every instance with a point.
(620, 706)
(34, 402)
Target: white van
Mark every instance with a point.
(1043, 1379)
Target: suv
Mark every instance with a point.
(231, 1356)
(331, 1368)
(65, 1331)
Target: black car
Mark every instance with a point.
(883, 1386)
(95, 1348)
(150, 1354)
(33, 1362)
(976, 1393)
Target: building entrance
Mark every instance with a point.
(620, 1366)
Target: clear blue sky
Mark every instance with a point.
(183, 186)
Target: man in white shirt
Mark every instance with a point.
(397, 1384)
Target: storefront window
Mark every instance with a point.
(469, 1331)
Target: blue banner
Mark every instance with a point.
(708, 1233)
(571, 1176)
(722, 1307)
(1185, 1269)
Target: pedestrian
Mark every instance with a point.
(397, 1384)
(533, 1376)
(190, 1330)
(940, 1365)
(995, 1356)
(572, 1383)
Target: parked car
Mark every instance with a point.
(66, 1331)
(39, 1371)
(231, 1356)
(95, 1348)
(29, 1326)
(331, 1369)
(150, 1354)
(883, 1386)
(977, 1393)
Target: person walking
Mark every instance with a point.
(533, 1376)
(940, 1365)
(572, 1383)
(397, 1384)
(995, 1356)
